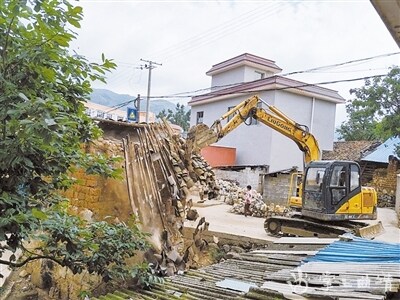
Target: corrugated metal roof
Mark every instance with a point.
(382, 152)
(359, 250)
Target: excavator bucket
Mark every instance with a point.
(200, 136)
(370, 231)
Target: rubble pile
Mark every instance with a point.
(230, 192)
(161, 174)
(386, 199)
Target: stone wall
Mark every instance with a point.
(385, 181)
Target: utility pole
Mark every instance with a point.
(149, 65)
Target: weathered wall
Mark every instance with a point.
(159, 177)
(385, 181)
(276, 188)
(104, 197)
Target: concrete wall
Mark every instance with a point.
(247, 176)
(259, 144)
(232, 76)
(276, 188)
(251, 142)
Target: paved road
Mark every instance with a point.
(221, 220)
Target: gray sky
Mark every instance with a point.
(188, 37)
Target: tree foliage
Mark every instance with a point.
(179, 117)
(43, 87)
(374, 113)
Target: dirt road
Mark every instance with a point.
(221, 220)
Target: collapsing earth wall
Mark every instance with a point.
(155, 186)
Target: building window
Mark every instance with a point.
(109, 117)
(232, 115)
(200, 115)
(259, 75)
(100, 114)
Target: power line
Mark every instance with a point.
(294, 72)
(220, 93)
(213, 32)
(190, 94)
(223, 32)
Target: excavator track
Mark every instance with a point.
(300, 226)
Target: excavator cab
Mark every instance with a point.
(332, 191)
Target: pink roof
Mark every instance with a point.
(245, 59)
(270, 83)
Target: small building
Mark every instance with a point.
(99, 111)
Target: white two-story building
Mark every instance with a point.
(257, 145)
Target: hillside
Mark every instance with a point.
(109, 98)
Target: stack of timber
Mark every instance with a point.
(354, 268)
(159, 175)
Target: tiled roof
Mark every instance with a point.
(244, 59)
(270, 83)
(381, 154)
(349, 150)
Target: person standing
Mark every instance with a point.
(247, 201)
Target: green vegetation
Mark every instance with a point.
(180, 117)
(43, 87)
(374, 113)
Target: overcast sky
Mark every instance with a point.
(188, 37)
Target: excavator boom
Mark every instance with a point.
(330, 195)
(201, 135)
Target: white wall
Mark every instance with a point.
(230, 77)
(259, 144)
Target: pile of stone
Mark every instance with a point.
(386, 199)
(190, 168)
(230, 192)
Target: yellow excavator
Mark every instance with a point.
(331, 197)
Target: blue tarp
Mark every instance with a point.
(382, 152)
(359, 250)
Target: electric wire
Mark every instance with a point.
(120, 105)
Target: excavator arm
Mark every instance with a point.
(201, 136)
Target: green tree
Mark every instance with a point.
(179, 117)
(43, 87)
(374, 113)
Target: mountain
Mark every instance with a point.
(109, 98)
